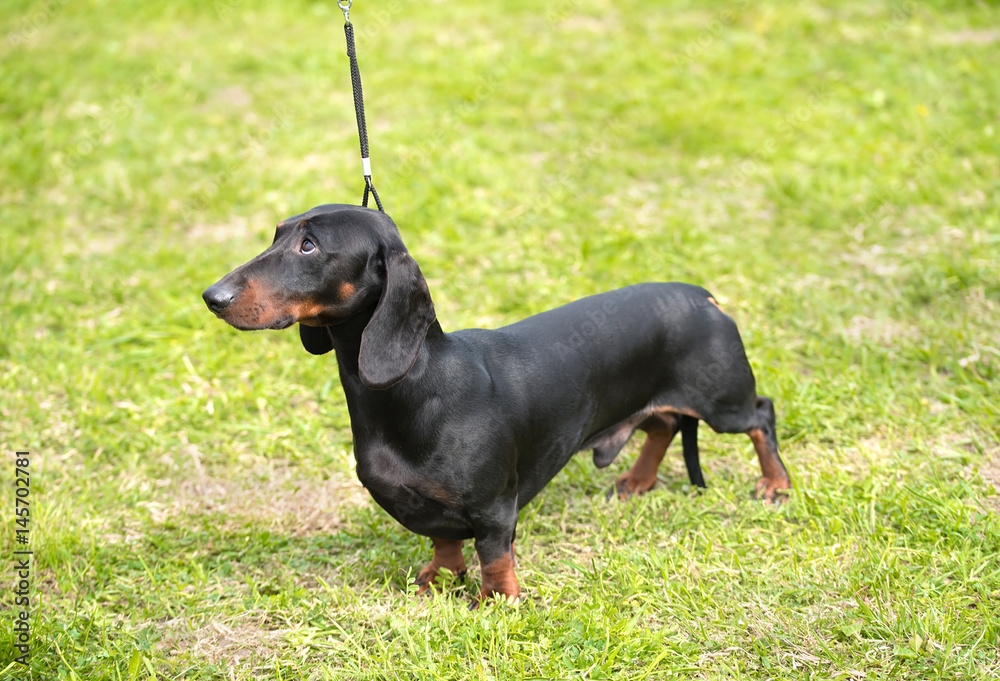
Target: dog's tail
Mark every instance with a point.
(689, 437)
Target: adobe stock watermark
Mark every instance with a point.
(899, 16)
(252, 147)
(374, 19)
(710, 33)
(730, 361)
(28, 26)
(22, 558)
(560, 11)
(889, 193)
(556, 183)
(371, 20)
(429, 147)
(593, 325)
(790, 124)
(111, 117)
(673, 312)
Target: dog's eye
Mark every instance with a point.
(307, 246)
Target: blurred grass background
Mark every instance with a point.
(828, 170)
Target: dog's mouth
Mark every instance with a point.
(256, 325)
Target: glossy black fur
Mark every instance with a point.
(454, 432)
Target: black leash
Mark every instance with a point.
(359, 105)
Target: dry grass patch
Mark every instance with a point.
(278, 500)
(234, 231)
(971, 36)
(989, 471)
(240, 638)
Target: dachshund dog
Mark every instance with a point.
(455, 432)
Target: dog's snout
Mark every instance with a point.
(218, 297)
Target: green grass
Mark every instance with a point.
(829, 171)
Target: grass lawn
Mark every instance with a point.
(829, 170)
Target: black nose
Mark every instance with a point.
(218, 297)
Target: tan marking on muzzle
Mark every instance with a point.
(254, 306)
(248, 306)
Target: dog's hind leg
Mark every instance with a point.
(447, 554)
(765, 440)
(642, 476)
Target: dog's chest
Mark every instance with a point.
(417, 501)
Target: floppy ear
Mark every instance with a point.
(315, 339)
(390, 342)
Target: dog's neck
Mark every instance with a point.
(346, 339)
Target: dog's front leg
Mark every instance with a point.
(495, 528)
(447, 554)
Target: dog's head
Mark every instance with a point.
(325, 267)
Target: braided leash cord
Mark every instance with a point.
(359, 110)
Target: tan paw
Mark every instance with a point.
(772, 491)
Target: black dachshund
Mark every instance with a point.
(454, 432)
